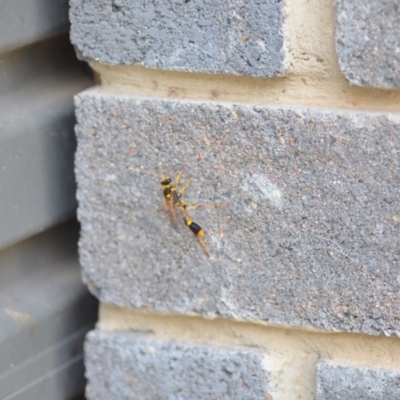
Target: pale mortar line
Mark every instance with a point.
(122, 94)
(292, 352)
(303, 91)
(314, 78)
(309, 33)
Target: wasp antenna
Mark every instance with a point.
(160, 171)
(172, 168)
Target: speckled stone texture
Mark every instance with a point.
(230, 36)
(305, 231)
(124, 366)
(336, 382)
(368, 42)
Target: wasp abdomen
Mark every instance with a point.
(195, 228)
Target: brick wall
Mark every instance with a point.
(286, 117)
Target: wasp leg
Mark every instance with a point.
(195, 207)
(179, 176)
(184, 187)
(177, 180)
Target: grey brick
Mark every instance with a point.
(368, 42)
(306, 231)
(122, 365)
(336, 382)
(231, 37)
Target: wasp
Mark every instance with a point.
(173, 202)
(172, 195)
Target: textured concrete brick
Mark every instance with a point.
(306, 231)
(134, 365)
(368, 42)
(230, 36)
(336, 382)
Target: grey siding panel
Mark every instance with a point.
(63, 383)
(26, 21)
(45, 311)
(37, 142)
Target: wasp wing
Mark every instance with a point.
(171, 205)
